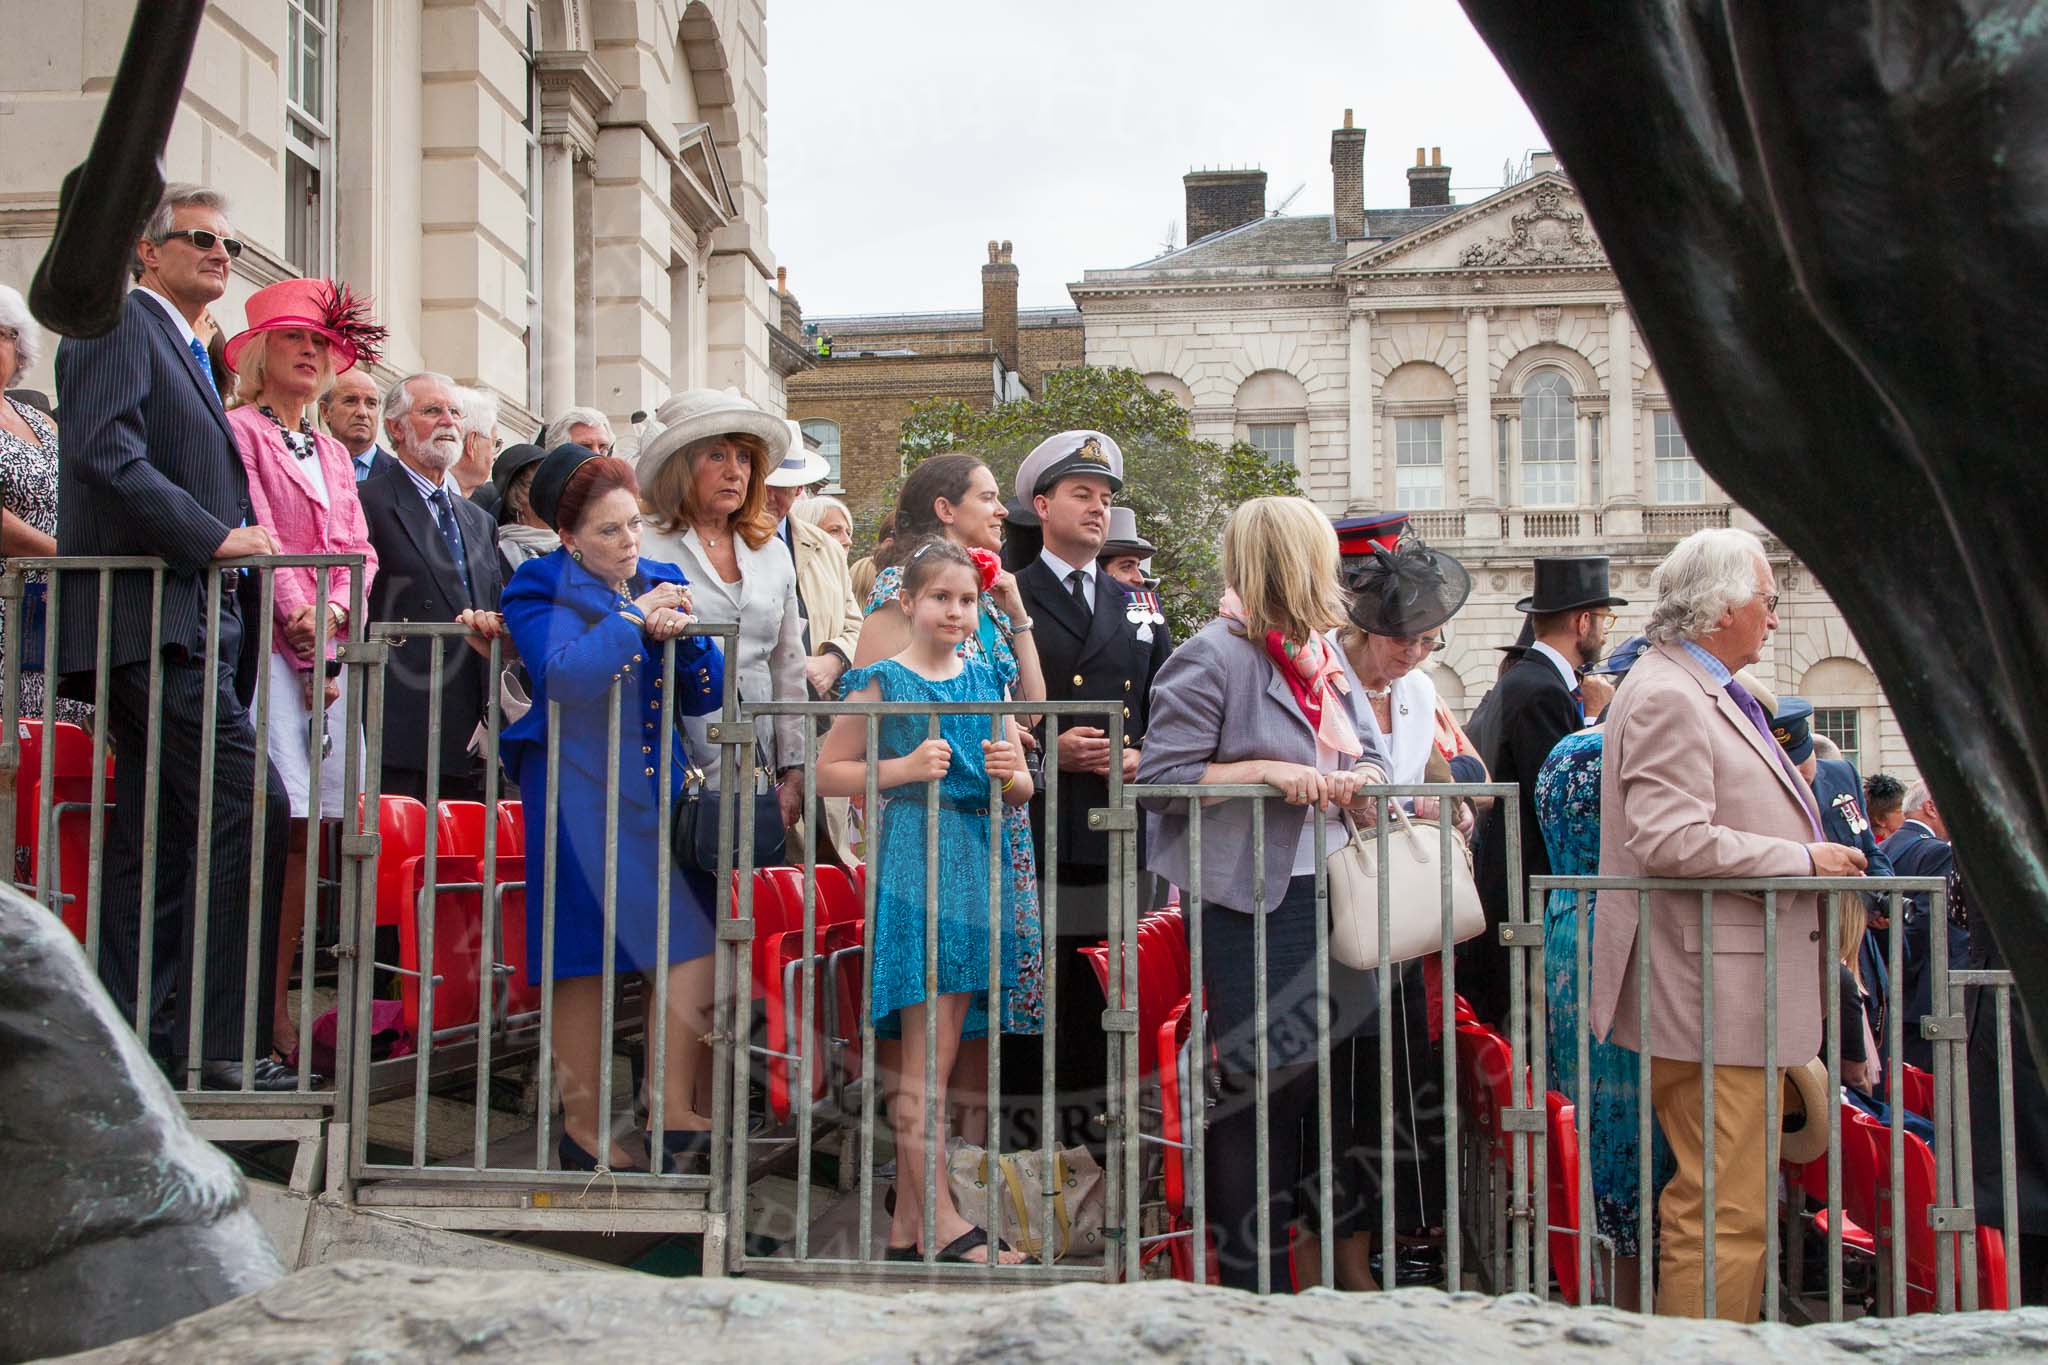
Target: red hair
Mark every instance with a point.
(591, 481)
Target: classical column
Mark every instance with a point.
(1364, 387)
(1619, 471)
(558, 276)
(1479, 454)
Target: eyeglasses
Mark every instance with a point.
(1604, 614)
(207, 241)
(10, 334)
(1428, 644)
(1770, 602)
(434, 412)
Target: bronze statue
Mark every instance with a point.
(119, 1218)
(1829, 221)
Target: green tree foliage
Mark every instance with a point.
(1182, 488)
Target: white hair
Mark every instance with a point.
(1823, 747)
(479, 412)
(1917, 796)
(1707, 574)
(398, 398)
(27, 343)
(813, 506)
(160, 225)
(558, 430)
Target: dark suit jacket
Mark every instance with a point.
(380, 460)
(417, 581)
(149, 468)
(1535, 710)
(1085, 657)
(1915, 851)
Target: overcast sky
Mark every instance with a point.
(904, 134)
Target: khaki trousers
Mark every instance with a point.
(1744, 1191)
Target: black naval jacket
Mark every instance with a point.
(1088, 659)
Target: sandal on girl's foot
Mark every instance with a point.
(681, 1146)
(908, 1253)
(955, 1252)
(573, 1158)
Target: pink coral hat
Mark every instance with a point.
(322, 306)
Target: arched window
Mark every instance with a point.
(826, 434)
(1550, 451)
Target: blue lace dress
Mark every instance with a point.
(1568, 808)
(898, 859)
(1023, 1007)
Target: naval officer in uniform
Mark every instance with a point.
(1092, 650)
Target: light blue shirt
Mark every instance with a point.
(1716, 670)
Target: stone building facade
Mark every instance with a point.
(561, 201)
(1474, 364)
(854, 401)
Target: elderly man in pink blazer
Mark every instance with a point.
(1694, 785)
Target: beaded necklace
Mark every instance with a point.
(299, 442)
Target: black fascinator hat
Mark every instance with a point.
(1406, 591)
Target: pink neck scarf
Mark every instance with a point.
(1316, 679)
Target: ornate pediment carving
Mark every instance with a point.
(1546, 233)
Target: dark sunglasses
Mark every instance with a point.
(206, 241)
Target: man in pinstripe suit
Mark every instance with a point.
(150, 468)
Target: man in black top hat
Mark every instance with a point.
(1540, 702)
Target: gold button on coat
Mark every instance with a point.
(1077, 680)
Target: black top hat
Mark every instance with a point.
(1406, 591)
(1570, 583)
(553, 476)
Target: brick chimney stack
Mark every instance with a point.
(1347, 181)
(1429, 183)
(792, 311)
(1221, 200)
(999, 303)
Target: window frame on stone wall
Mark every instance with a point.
(1843, 725)
(1548, 478)
(833, 453)
(1418, 478)
(1679, 478)
(308, 141)
(1253, 432)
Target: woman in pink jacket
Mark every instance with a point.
(302, 486)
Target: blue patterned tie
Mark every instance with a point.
(444, 513)
(198, 349)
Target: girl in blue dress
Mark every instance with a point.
(968, 778)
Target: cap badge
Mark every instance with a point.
(1091, 450)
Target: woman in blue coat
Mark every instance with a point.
(586, 617)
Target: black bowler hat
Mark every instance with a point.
(1570, 583)
(512, 461)
(553, 476)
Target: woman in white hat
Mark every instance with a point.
(703, 481)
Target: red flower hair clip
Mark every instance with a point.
(990, 565)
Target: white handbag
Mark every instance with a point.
(1414, 887)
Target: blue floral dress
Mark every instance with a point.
(1568, 808)
(1023, 1007)
(898, 859)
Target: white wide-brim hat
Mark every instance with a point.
(696, 414)
(802, 467)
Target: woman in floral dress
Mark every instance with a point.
(28, 487)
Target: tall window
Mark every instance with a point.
(531, 124)
(826, 434)
(1501, 446)
(1840, 724)
(1418, 462)
(1274, 439)
(1678, 474)
(309, 136)
(1550, 452)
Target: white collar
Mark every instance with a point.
(1565, 670)
(1923, 825)
(1063, 570)
(184, 327)
(419, 481)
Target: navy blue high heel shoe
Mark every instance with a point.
(685, 1150)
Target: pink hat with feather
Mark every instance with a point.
(324, 306)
